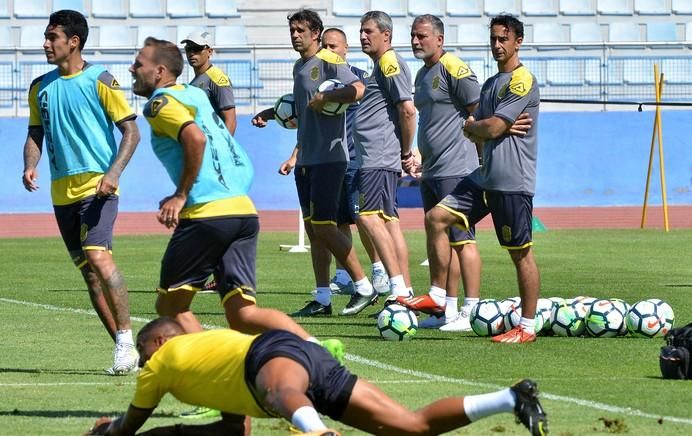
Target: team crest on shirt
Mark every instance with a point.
(463, 71)
(314, 73)
(115, 84)
(390, 70)
(223, 81)
(155, 105)
(518, 88)
(436, 82)
(83, 232)
(506, 233)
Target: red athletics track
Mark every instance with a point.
(130, 223)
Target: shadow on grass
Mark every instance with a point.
(84, 290)
(70, 413)
(95, 372)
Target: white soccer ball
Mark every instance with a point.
(568, 320)
(644, 319)
(666, 312)
(624, 307)
(544, 306)
(397, 323)
(604, 319)
(487, 319)
(513, 319)
(285, 112)
(333, 108)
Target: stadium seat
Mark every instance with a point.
(348, 8)
(586, 32)
(592, 70)
(221, 9)
(420, 7)
(158, 32)
(75, 5)
(29, 71)
(688, 31)
(681, 7)
(147, 9)
(402, 34)
(677, 70)
(614, 7)
(637, 71)
(661, 32)
(230, 35)
(31, 36)
(184, 8)
(623, 32)
(577, 7)
(392, 7)
(473, 33)
(497, 7)
(539, 8)
(565, 72)
(6, 81)
(6, 39)
(5, 8)
(109, 8)
(549, 32)
(651, 7)
(111, 36)
(464, 8)
(32, 9)
(239, 71)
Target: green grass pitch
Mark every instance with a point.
(53, 348)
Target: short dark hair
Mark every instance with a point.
(510, 22)
(166, 53)
(170, 327)
(73, 23)
(337, 30)
(434, 21)
(308, 16)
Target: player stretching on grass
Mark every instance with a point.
(504, 186)
(73, 108)
(277, 375)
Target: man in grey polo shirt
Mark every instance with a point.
(504, 186)
(322, 158)
(446, 92)
(384, 128)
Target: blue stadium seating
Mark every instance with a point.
(586, 32)
(31, 36)
(109, 8)
(111, 36)
(637, 71)
(464, 8)
(537, 66)
(566, 72)
(539, 8)
(184, 8)
(549, 32)
(473, 33)
(352, 36)
(661, 32)
(402, 34)
(477, 66)
(577, 7)
(688, 32)
(421, 7)
(7, 84)
(623, 32)
(6, 39)
(348, 8)
(31, 9)
(75, 5)
(496, 7)
(28, 72)
(147, 9)
(651, 7)
(682, 7)
(221, 9)
(394, 8)
(240, 72)
(230, 35)
(5, 8)
(158, 32)
(614, 7)
(677, 70)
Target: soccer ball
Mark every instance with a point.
(544, 306)
(285, 112)
(513, 318)
(333, 108)
(487, 319)
(604, 319)
(584, 300)
(397, 323)
(624, 307)
(666, 313)
(644, 319)
(568, 320)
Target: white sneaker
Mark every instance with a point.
(432, 322)
(125, 360)
(459, 323)
(380, 281)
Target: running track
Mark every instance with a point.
(130, 223)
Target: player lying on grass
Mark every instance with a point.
(277, 374)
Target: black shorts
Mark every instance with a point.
(512, 212)
(87, 225)
(378, 193)
(432, 191)
(319, 189)
(331, 384)
(348, 204)
(224, 246)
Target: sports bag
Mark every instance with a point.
(675, 356)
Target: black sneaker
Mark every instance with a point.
(528, 409)
(359, 302)
(313, 308)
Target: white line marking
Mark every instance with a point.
(409, 372)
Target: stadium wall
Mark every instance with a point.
(585, 159)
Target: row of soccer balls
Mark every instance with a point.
(285, 107)
(603, 318)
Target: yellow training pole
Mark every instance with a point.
(661, 164)
(651, 151)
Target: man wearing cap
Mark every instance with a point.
(209, 78)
